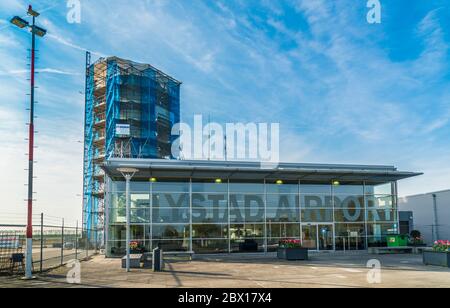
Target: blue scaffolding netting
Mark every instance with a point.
(122, 92)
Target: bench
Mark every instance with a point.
(180, 253)
(390, 250)
(137, 259)
(148, 255)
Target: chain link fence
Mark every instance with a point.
(54, 245)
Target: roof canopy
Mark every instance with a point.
(253, 171)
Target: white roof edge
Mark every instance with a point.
(249, 164)
(426, 194)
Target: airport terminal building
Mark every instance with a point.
(231, 207)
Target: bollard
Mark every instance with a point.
(157, 259)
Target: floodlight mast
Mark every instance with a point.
(21, 23)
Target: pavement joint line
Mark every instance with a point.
(351, 270)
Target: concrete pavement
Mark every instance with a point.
(323, 271)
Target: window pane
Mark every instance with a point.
(170, 231)
(282, 189)
(246, 187)
(209, 215)
(172, 245)
(317, 215)
(210, 246)
(170, 200)
(249, 214)
(247, 208)
(209, 200)
(282, 215)
(242, 231)
(118, 200)
(350, 230)
(282, 201)
(140, 187)
(247, 245)
(348, 190)
(349, 215)
(171, 215)
(118, 232)
(210, 231)
(140, 200)
(374, 215)
(316, 201)
(351, 243)
(118, 186)
(351, 202)
(209, 187)
(378, 230)
(380, 201)
(170, 187)
(277, 230)
(247, 200)
(139, 215)
(383, 189)
(315, 189)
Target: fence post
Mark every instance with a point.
(62, 242)
(76, 242)
(96, 241)
(42, 242)
(86, 243)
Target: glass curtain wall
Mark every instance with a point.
(217, 216)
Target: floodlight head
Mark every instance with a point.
(19, 22)
(41, 32)
(127, 170)
(32, 12)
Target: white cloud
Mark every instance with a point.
(41, 70)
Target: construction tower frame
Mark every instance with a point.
(123, 94)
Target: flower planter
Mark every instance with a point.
(292, 254)
(136, 251)
(436, 258)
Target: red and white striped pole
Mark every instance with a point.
(35, 30)
(29, 253)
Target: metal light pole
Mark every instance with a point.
(128, 174)
(436, 219)
(35, 30)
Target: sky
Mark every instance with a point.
(343, 90)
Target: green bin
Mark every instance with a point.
(397, 240)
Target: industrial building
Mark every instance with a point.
(428, 213)
(129, 113)
(230, 207)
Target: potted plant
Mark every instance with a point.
(439, 255)
(416, 239)
(291, 249)
(135, 248)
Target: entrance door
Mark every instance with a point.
(325, 237)
(318, 237)
(309, 236)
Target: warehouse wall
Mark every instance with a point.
(424, 218)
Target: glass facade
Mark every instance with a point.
(230, 217)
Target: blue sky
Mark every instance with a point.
(343, 90)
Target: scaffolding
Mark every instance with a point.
(123, 93)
